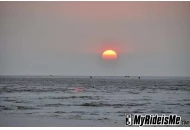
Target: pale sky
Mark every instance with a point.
(68, 38)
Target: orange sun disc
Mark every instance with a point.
(109, 54)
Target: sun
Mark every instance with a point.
(109, 54)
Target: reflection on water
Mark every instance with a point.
(97, 98)
(78, 89)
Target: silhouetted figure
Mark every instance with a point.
(139, 77)
(90, 76)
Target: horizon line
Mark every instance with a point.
(51, 75)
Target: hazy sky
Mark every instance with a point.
(68, 38)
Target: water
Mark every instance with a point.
(96, 98)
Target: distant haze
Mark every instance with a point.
(68, 38)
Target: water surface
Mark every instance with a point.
(96, 98)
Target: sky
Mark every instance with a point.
(68, 38)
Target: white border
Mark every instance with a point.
(95, 0)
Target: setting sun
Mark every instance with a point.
(109, 54)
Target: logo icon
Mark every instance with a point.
(128, 119)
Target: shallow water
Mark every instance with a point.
(97, 98)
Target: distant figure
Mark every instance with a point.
(90, 76)
(50, 75)
(127, 76)
(139, 77)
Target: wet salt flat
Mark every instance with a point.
(97, 98)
